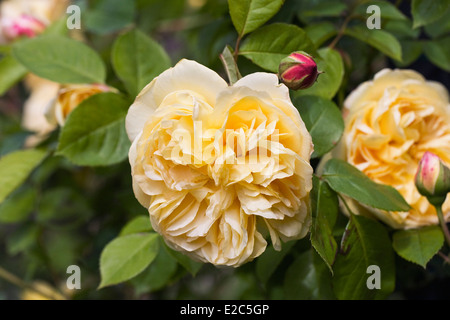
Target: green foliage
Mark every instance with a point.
(346, 179)
(249, 15)
(127, 256)
(365, 243)
(69, 200)
(133, 58)
(267, 46)
(11, 72)
(70, 60)
(15, 168)
(94, 133)
(323, 120)
(324, 205)
(418, 245)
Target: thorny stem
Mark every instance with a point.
(6, 275)
(341, 31)
(236, 49)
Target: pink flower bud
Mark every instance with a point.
(433, 178)
(25, 25)
(298, 71)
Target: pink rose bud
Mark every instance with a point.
(25, 25)
(433, 178)
(298, 71)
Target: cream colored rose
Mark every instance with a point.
(216, 165)
(390, 123)
(28, 17)
(68, 98)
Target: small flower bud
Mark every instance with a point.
(298, 71)
(25, 25)
(433, 179)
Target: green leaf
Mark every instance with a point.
(134, 58)
(249, 15)
(18, 207)
(157, 275)
(267, 46)
(308, 278)
(412, 49)
(325, 207)
(438, 51)
(323, 120)
(22, 239)
(320, 32)
(310, 10)
(418, 245)
(190, 265)
(379, 39)
(60, 59)
(11, 71)
(387, 10)
(328, 83)
(365, 243)
(15, 168)
(94, 133)
(425, 11)
(137, 225)
(346, 179)
(230, 65)
(125, 257)
(108, 16)
(267, 263)
(439, 27)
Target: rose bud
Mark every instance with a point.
(433, 178)
(298, 71)
(25, 25)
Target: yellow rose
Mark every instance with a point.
(216, 165)
(68, 98)
(390, 123)
(28, 17)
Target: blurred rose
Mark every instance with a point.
(216, 165)
(50, 103)
(390, 123)
(68, 98)
(28, 17)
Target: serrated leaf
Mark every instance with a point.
(365, 243)
(267, 46)
(323, 120)
(379, 39)
(348, 180)
(60, 59)
(107, 16)
(324, 204)
(418, 245)
(134, 58)
(15, 168)
(94, 133)
(248, 15)
(126, 257)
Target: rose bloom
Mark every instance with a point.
(28, 17)
(218, 166)
(390, 123)
(68, 98)
(50, 103)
